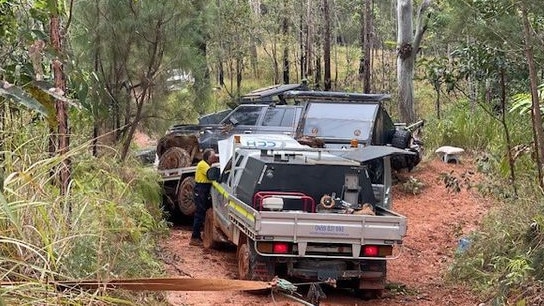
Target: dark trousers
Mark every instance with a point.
(202, 203)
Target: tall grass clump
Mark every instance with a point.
(106, 227)
(460, 127)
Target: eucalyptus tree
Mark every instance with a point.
(133, 48)
(408, 44)
(61, 141)
(326, 45)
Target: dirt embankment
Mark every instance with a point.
(437, 218)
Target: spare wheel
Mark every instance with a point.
(401, 139)
(186, 199)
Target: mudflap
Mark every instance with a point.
(372, 282)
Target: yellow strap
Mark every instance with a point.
(161, 284)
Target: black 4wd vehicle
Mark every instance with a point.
(336, 119)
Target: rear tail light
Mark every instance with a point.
(371, 250)
(280, 248)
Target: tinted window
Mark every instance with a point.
(342, 120)
(244, 115)
(279, 117)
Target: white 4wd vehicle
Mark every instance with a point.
(304, 213)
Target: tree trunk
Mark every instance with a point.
(317, 75)
(408, 46)
(63, 134)
(285, 32)
(327, 46)
(221, 74)
(253, 59)
(301, 47)
(140, 101)
(275, 61)
(309, 40)
(507, 131)
(366, 41)
(437, 89)
(536, 116)
(239, 66)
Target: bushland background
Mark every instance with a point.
(78, 79)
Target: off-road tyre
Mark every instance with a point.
(170, 210)
(210, 235)
(185, 196)
(401, 139)
(173, 158)
(252, 266)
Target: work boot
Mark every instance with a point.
(196, 242)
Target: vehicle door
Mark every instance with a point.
(227, 180)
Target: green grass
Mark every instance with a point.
(106, 227)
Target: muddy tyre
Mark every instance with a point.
(252, 266)
(210, 236)
(401, 139)
(173, 158)
(185, 197)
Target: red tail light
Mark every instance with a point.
(370, 250)
(280, 248)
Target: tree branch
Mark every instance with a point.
(422, 24)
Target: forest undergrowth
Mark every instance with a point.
(106, 227)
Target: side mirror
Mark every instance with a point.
(233, 121)
(213, 173)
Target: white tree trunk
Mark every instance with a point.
(405, 62)
(407, 49)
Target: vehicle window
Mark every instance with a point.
(244, 115)
(226, 171)
(279, 117)
(237, 169)
(342, 120)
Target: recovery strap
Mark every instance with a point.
(160, 284)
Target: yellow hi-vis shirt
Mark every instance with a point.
(201, 169)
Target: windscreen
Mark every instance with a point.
(340, 120)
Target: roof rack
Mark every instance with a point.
(336, 96)
(266, 95)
